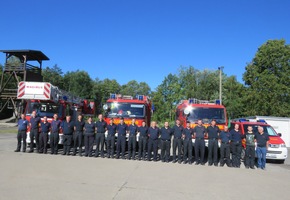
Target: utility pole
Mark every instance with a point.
(221, 70)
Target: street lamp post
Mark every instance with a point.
(221, 70)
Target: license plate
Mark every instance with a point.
(268, 155)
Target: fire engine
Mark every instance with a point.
(47, 99)
(125, 106)
(193, 109)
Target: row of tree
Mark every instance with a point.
(265, 91)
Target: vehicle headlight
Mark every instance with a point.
(283, 145)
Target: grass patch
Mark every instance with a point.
(8, 130)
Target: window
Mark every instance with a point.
(125, 110)
(44, 109)
(267, 129)
(207, 114)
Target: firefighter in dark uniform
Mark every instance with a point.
(177, 141)
(121, 140)
(165, 136)
(225, 140)
(213, 132)
(187, 144)
(132, 129)
(143, 138)
(112, 129)
(34, 128)
(78, 135)
(21, 135)
(43, 137)
(68, 129)
(153, 133)
(54, 134)
(199, 146)
(250, 148)
(236, 146)
(89, 137)
(101, 126)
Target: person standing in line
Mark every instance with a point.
(132, 140)
(262, 140)
(34, 131)
(199, 146)
(21, 135)
(68, 129)
(236, 146)
(143, 138)
(177, 141)
(78, 135)
(122, 129)
(153, 134)
(225, 151)
(165, 136)
(250, 148)
(213, 132)
(187, 144)
(89, 137)
(112, 129)
(101, 126)
(43, 137)
(54, 134)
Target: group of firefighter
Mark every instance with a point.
(149, 138)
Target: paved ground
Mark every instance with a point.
(35, 176)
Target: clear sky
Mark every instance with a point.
(143, 40)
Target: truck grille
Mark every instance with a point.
(274, 152)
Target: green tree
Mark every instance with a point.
(133, 88)
(267, 79)
(78, 83)
(54, 75)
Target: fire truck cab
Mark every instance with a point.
(277, 149)
(46, 100)
(125, 106)
(193, 109)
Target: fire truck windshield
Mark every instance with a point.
(206, 114)
(125, 110)
(42, 109)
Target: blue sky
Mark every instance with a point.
(143, 40)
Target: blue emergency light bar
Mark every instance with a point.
(113, 96)
(140, 97)
(243, 120)
(262, 121)
(218, 102)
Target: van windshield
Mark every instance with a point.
(267, 129)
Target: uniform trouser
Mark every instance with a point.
(187, 150)
(121, 144)
(225, 153)
(78, 139)
(34, 135)
(54, 139)
(21, 135)
(110, 145)
(250, 156)
(199, 148)
(43, 142)
(67, 141)
(132, 147)
(142, 147)
(100, 140)
(152, 145)
(261, 154)
(165, 150)
(89, 144)
(236, 153)
(177, 144)
(213, 151)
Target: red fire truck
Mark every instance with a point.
(193, 109)
(46, 99)
(125, 106)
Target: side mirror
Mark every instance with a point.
(280, 134)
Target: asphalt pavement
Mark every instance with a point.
(38, 176)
